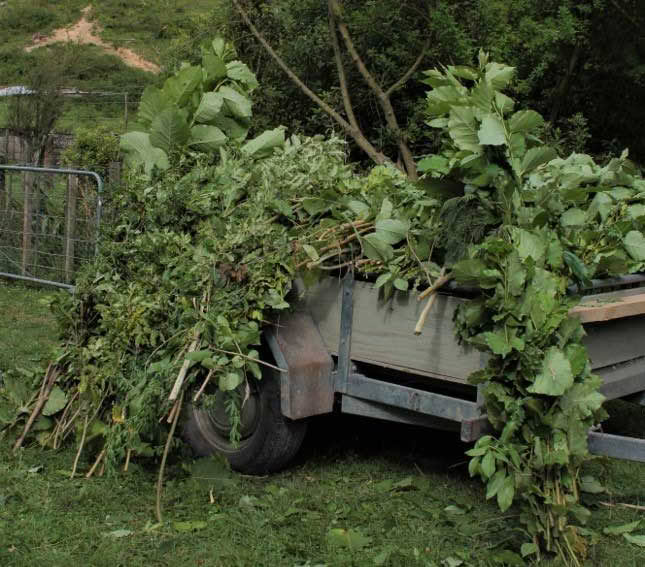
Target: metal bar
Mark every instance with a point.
(356, 406)
(623, 379)
(36, 280)
(473, 429)
(617, 446)
(345, 341)
(429, 403)
(608, 282)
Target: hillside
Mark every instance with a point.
(113, 49)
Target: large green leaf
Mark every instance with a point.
(139, 151)
(206, 138)
(583, 398)
(209, 107)
(525, 121)
(462, 128)
(635, 244)
(179, 88)
(57, 401)
(536, 157)
(238, 104)
(234, 128)
(169, 130)
(376, 248)
(214, 66)
(264, 144)
(239, 71)
(573, 217)
(152, 103)
(555, 377)
(392, 231)
(491, 131)
(499, 75)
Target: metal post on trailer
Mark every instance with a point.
(345, 341)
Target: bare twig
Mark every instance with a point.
(382, 97)
(358, 136)
(80, 446)
(127, 460)
(441, 281)
(406, 77)
(164, 457)
(424, 314)
(96, 463)
(173, 411)
(179, 382)
(45, 391)
(623, 505)
(203, 386)
(342, 79)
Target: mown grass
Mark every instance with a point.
(404, 492)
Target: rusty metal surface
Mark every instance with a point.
(306, 388)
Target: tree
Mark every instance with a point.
(349, 122)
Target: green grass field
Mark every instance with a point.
(360, 493)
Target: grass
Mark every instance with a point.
(403, 495)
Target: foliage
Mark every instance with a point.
(92, 149)
(205, 253)
(199, 108)
(570, 57)
(540, 394)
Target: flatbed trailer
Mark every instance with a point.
(344, 349)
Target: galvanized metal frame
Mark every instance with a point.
(99, 211)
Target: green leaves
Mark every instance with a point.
(525, 121)
(264, 144)
(391, 231)
(139, 151)
(491, 131)
(169, 130)
(206, 138)
(209, 107)
(556, 376)
(635, 244)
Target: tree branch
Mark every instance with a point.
(381, 96)
(355, 133)
(404, 79)
(342, 79)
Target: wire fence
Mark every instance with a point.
(49, 224)
(114, 110)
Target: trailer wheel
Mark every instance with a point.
(268, 439)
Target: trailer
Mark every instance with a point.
(344, 349)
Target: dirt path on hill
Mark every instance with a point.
(86, 32)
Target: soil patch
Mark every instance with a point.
(86, 32)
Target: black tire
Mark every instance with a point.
(269, 440)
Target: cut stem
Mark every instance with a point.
(164, 457)
(80, 445)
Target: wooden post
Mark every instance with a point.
(70, 225)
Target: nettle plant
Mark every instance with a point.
(198, 109)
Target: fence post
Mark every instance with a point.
(70, 224)
(27, 221)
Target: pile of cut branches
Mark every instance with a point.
(212, 232)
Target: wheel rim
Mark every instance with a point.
(215, 426)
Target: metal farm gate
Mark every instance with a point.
(49, 222)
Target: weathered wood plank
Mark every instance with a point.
(383, 332)
(608, 306)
